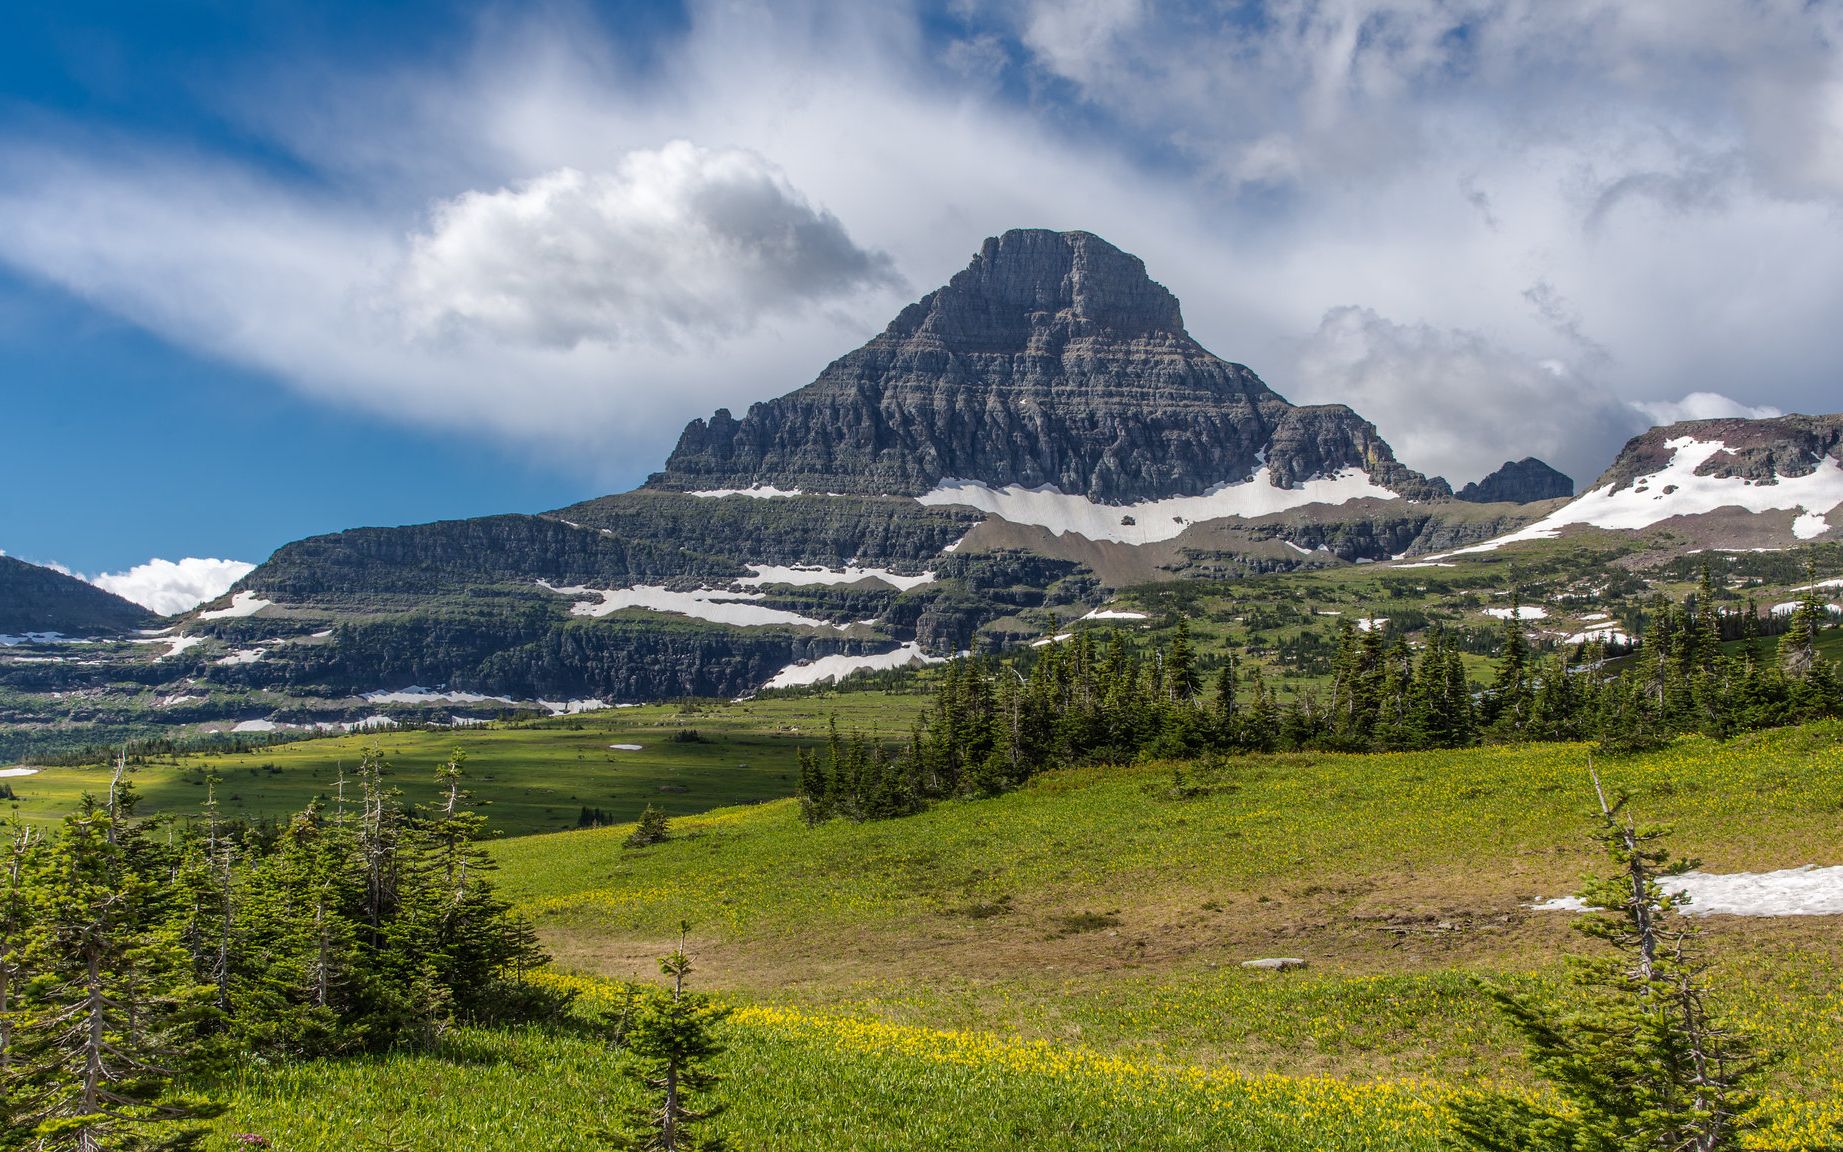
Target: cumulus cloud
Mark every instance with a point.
(169, 588)
(1702, 406)
(1456, 402)
(679, 241)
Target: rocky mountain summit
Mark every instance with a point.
(1052, 359)
(1522, 481)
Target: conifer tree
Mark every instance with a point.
(673, 1039)
(652, 828)
(114, 1016)
(1641, 1059)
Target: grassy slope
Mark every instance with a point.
(1055, 969)
(527, 778)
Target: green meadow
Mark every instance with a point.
(527, 777)
(1059, 968)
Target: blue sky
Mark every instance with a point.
(275, 269)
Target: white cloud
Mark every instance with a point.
(1702, 406)
(677, 242)
(170, 588)
(1642, 191)
(1455, 402)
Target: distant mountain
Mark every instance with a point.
(1733, 484)
(1522, 481)
(36, 599)
(1039, 430)
(1052, 359)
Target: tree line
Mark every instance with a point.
(991, 725)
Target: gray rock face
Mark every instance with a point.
(1051, 359)
(1756, 450)
(1519, 482)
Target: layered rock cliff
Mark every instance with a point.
(1052, 359)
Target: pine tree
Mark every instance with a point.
(22, 847)
(1512, 698)
(114, 1016)
(673, 1039)
(1181, 680)
(1640, 1058)
(652, 828)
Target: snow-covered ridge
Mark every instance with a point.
(734, 608)
(834, 668)
(242, 604)
(1153, 520)
(812, 574)
(1676, 490)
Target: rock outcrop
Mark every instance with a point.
(1522, 481)
(1052, 359)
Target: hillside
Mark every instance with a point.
(35, 599)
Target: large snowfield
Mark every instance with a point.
(1153, 520)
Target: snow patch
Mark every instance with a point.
(835, 668)
(626, 747)
(1807, 891)
(1115, 614)
(38, 638)
(175, 644)
(243, 656)
(1371, 624)
(418, 695)
(1153, 520)
(1048, 640)
(733, 608)
(256, 726)
(17, 772)
(242, 604)
(1676, 490)
(1524, 612)
(1297, 548)
(1809, 526)
(758, 492)
(1791, 606)
(809, 575)
(1608, 633)
(571, 707)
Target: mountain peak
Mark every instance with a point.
(1051, 360)
(1033, 278)
(1519, 482)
